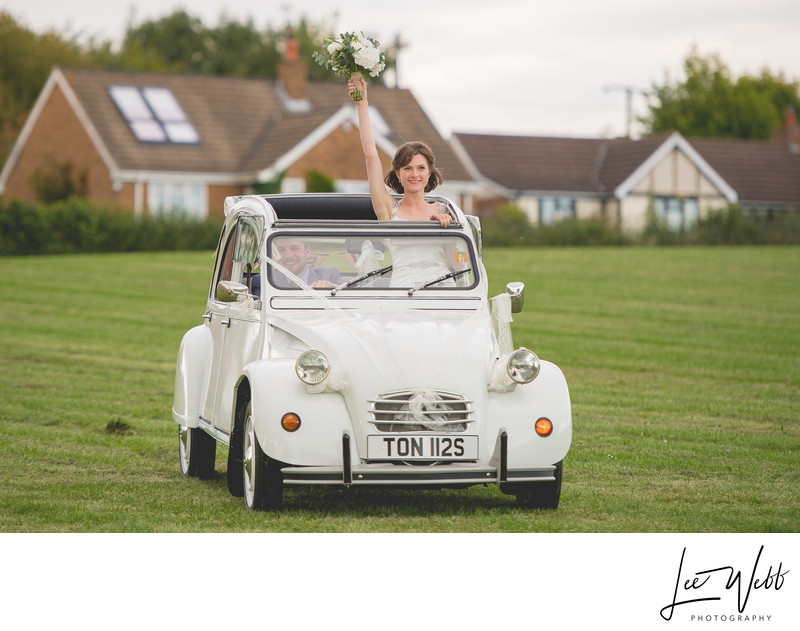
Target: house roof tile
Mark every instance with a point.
(758, 171)
(534, 163)
(243, 124)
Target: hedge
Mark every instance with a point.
(508, 225)
(76, 225)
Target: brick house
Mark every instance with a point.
(154, 141)
(619, 180)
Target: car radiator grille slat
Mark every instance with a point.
(420, 411)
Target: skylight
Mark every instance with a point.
(154, 115)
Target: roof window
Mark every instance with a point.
(154, 115)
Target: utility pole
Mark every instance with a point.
(395, 52)
(629, 92)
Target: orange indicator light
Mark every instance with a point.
(290, 422)
(544, 427)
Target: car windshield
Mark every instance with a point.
(342, 263)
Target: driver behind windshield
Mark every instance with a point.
(294, 255)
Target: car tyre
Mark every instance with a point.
(197, 452)
(543, 495)
(235, 477)
(261, 475)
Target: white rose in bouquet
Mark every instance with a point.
(366, 56)
(377, 70)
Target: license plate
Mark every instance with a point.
(423, 447)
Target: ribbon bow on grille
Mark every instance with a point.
(423, 406)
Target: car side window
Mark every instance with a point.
(226, 262)
(239, 260)
(245, 256)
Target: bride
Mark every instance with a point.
(413, 174)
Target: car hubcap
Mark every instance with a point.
(184, 445)
(249, 459)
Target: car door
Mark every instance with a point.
(216, 320)
(241, 326)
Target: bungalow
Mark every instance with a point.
(619, 180)
(155, 142)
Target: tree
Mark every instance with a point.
(179, 40)
(26, 59)
(182, 43)
(709, 102)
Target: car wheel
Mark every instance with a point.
(197, 452)
(542, 494)
(263, 483)
(235, 477)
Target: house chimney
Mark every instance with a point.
(789, 133)
(292, 71)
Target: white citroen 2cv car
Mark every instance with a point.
(337, 349)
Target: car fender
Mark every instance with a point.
(324, 418)
(191, 375)
(517, 411)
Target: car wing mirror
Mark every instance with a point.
(517, 293)
(229, 291)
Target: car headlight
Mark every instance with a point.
(312, 367)
(523, 365)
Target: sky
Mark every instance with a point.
(519, 67)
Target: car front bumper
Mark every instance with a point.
(402, 474)
(456, 474)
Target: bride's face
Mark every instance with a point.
(414, 176)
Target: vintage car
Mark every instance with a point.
(336, 350)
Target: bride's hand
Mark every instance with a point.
(352, 87)
(443, 218)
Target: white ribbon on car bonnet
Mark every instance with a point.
(501, 320)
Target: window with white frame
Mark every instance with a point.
(555, 209)
(676, 213)
(171, 198)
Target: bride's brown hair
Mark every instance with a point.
(404, 155)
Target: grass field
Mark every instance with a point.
(683, 365)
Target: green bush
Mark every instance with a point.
(506, 225)
(319, 182)
(76, 225)
(509, 226)
(732, 226)
(54, 181)
(579, 232)
(23, 228)
(784, 229)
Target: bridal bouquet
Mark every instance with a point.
(350, 54)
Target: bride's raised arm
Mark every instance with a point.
(381, 199)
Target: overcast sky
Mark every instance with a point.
(534, 67)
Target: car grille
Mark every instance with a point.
(420, 411)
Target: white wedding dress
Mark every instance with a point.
(416, 260)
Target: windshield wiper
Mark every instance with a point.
(438, 280)
(358, 279)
